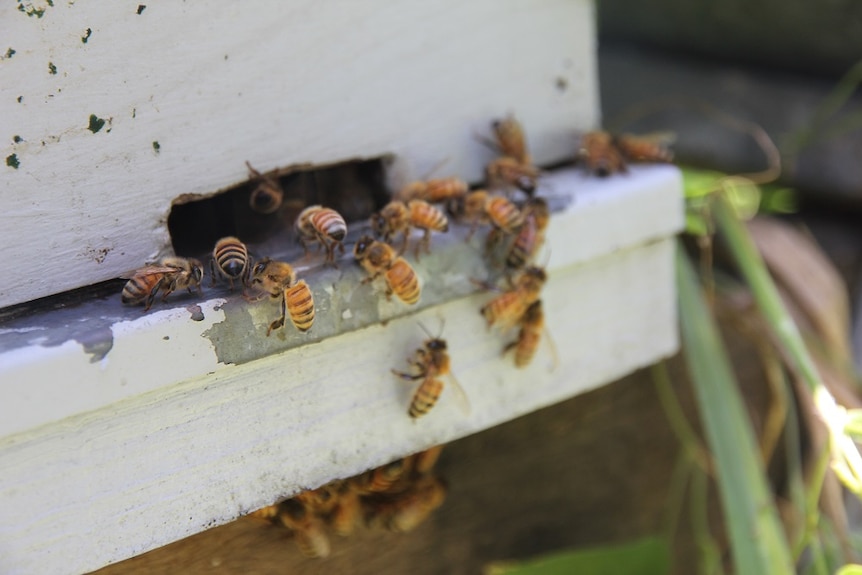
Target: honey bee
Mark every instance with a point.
(430, 364)
(266, 198)
(645, 148)
(507, 309)
(532, 326)
(268, 513)
(506, 172)
(382, 479)
(347, 511)
(308, 529)
(171, 273)
(278, 279)
(230, 260)
(510, 139)
(406, 511)
(378, 258)
(323, 225)
(393, 219)
(601, 155)
(442, 190)
(398, 217)
(481, 207)
(531, 235)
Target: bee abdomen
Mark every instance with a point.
(425, 398)
(300, 305)
(528, 342)
(137, 289)
(424, 215)
(504, 214)
(403, 282)
(330, 223)
(231, 256)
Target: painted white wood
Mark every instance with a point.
(181, 453)
(282, 83)
(42, 383)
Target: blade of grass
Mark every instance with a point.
(757, 539)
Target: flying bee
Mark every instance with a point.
(170, 274)
(407, 510)
(266, 198)
(442, 190)
(431, 364)
(531, 235)
(510, 139)
(507, 309)
(230, 260)
(278, 279)
(308, 529)
(645, 148)
(601, 155)
(323, 225)
(532, 326)
(506, 172)
(378, 258)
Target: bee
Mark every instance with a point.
(442, 190)
(321, 500)
(424, 461)
(323, 225)
(393, 219)
(406, 511)
(268, 513)
(481, 207)
(426, 217)
(600, 154)
(532, 326)
(531, 235)
(506, 172)
(645, 148)
(431, 364)
(347, 511)
(278, 279)
(230, 260)
(383, 479)
(308, 529)
(510, 139)
(378, 258)
(266, 198)
(171, 273)
(507, 309)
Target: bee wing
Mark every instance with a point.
(553, 346)
(460, 394)
(146, 270)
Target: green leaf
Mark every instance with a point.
(850, 570)
(757, 539)
(649, 556)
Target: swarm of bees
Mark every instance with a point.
(397, 497)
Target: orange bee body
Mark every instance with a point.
(171, 274)
(383, 478)
(266, 198)
(322, 225)
(503, 214)
(278, 279)
(405, 512)
(600, 154)
(431, 363)
(434, 191)
(426, 217)
(347, 512)
(268, 513)
(230, 261)
(506, 172)
(378, 258)
(647, 148)
(531, 235)
(532, 325)
(397, 217)
(424, 461)
(510, 138)
(307, 528)
(507, 309)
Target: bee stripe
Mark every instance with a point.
(425, 398)
(424, 215)
(504, 214)
(403, 282)
(139, 287)
(329, 223)
(300, 304)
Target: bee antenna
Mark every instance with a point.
(425, 329)
(442, 325)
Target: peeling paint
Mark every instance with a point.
(12, 161)
(86, 37)
(17, 139)
(52, 69)
(10, 52)
(98, 343)
(96, 123)
(157, 147)
(141, 8)
(197, 313)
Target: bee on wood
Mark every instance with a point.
(397, 217)
(431, 364)
(532, 326)
(531, 235)
(506, 173)
(510, 139)
(437, 191)
(278, 279)
(378, 258)
(322, 225)
(266, 198)
(507, 309)
(406, 511)
(601, 156)
(646, 148)
(480, 207)
(230, 261)
(171, 273)
(307, 527)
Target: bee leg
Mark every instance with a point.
(404, 241)
(408, 376)
(426, 241)
(280, 321)
(370, 278)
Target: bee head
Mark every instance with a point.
(362, 245)
(378, 223)
(437, 344)
(536, 273)
(260, 266)
(197, 270)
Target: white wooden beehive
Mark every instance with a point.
(122, 431)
